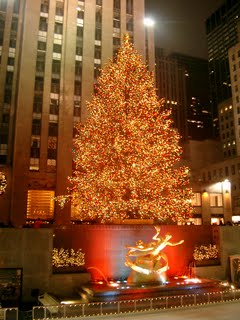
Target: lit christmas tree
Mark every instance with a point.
(126, 152)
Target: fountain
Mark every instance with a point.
(148, 276)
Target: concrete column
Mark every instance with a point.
(139, 28)
(23, 126)
(107, 31)
(227, 206)
(206, 216)
(88, 55)
(65, 123)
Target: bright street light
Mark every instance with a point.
(149, 22)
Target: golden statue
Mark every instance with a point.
(149, 258)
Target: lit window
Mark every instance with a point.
(216, 200)
(40, 204)
(196, 200)
(34, 164)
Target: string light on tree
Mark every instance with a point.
(205, 252)
(126, 152)
(65, 258)
(3, 183)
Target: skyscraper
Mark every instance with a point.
(183, 81)
(171, 85)
(50, 54)
(221, 30)
(199, 117)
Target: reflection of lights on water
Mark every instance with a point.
(68, 302)
(225, 283)
(110, 283)
(183, 280)
(187, 280)
(113, 284)
(192, 280)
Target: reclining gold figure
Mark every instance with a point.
(149, 256)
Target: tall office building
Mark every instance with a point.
(234, 63)
(229, 109)
(221, 30)
(50, 55)
(199, 117)
(171, 85)
(183, 81)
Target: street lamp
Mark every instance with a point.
(150, 47)
(149, 22)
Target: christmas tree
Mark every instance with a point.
(126, 152)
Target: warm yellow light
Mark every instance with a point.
(205, 252)
(66, 258)
(157, 261)
(126, 152)
(149, 22)
(3, 183)
(40, 204)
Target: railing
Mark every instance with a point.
(8, 313)
(130, 306)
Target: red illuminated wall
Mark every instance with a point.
(104, 245)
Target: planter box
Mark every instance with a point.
(207, 262)
(73, 269)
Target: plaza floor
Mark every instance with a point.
(219, 311)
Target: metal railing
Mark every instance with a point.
(130, 306)
(8, 313)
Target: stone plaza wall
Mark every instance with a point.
(31, 250)
(28, 249)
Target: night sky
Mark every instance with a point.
(180, 24)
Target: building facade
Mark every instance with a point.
(50, 55)
(213, 189)
(234, 65)
(171, 85)
(183, 81)
(222, 34)
(227, 129)
(199, 116)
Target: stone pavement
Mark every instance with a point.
(217, 311)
